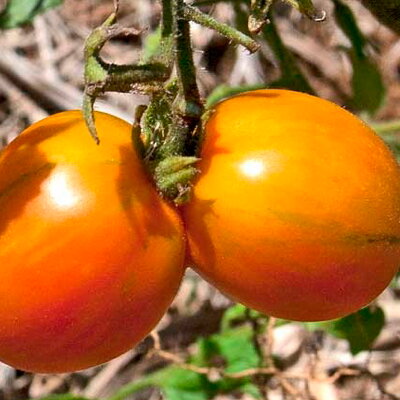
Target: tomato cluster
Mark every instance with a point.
(295, 213)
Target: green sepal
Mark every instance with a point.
(173, 176)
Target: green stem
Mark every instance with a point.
(124, 78)
(170, 136)
(166, 27)
(87, 111)
(195, 15)
(189, 104)
(187, 107)
(167, 19)
(102, 76)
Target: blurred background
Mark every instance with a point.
(41, 72)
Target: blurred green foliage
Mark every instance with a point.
(19, 12)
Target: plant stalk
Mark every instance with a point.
(195, 15)
(189, 104)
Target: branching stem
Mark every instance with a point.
(195, 15)
(189, 104)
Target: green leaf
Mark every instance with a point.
(154, 379)
(346, 21)
(19, 12)
(359, 329)
(251, 389)
(181, 384)
(206, 350)
(171, 393)
(233, 314)
(151, 45)
(394, 284)
(242, 385)
(223, 91)
(368, 87)
(291, 75)
(237, 314)
(237, 348)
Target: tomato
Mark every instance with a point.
(296, 212)
(90, 255)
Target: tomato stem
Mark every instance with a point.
(195, 15)
(188, 103)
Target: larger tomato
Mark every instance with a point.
(90, 256)
(296, 212)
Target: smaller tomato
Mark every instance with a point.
(90, 256)
(296, 212)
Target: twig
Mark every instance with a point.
(116, 6)
(340, 373)
(45, 48)
(195, 15)
(189, 104)
(378, 383)
(289, 388)
(99, 383)
(269, 340)
(168, 356)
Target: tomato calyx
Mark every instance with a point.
(162, 139)
(173, 176)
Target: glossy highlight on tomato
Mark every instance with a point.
(296, 211)
(90, 256)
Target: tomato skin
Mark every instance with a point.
(296, 211)
(90, 255)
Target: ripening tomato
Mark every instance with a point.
(90, 256)
(296, 212)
